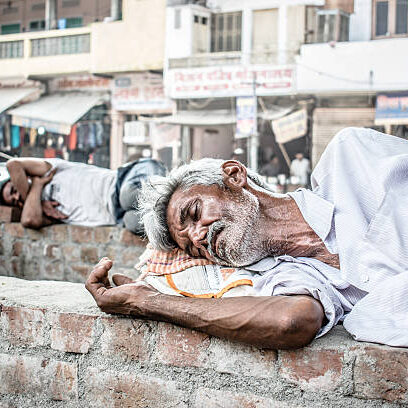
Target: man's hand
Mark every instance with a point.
(50, 210)
(128, 297)
(45, 179)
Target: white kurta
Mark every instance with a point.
(359, 208)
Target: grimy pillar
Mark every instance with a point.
(51, 14)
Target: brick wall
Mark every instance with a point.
(58, 350)
(62, 252)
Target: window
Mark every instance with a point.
(390, 18)
(177, 19)
(70, 3)
(332, 25)
(11, 49)
(10, 28)
(72, 44)
(37, 25)
(73, 22)
(226, 32)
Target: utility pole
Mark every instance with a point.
(253, 139)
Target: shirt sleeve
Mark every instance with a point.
(289, 278)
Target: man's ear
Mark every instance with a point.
(235, 174)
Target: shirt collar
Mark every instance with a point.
(316, 211)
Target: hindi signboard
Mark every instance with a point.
(229, 81)
(141, 93)
(290, 127)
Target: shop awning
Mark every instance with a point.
(392, 109)
(199, 118)
(9, 97)
(56, 113)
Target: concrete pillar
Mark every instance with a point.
(115, 9)
(246, 41)
(51, 15)
(282, 34)
(116, 139)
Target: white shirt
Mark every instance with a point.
(359, 208)
(83, 191)
(300, 169)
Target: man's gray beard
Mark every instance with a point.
(240, 244)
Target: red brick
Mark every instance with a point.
(129, 256)
(128, 238)
(16, 268)
(110, 389)
(81, 271)
(9, 214)
(72, 333)
(35, 235)
(71, 253)
(126, 338)
(52, 251)
(14, 229)
(54, 271)
(113, 253)
(381, 372)
(23, 326)
(59, 233)
(81, 234)
(17, 248)
(312, 369)
(38, 377)
(104, 235)
(206, 397)
(181, 347)
(242, 359)
(89, 255)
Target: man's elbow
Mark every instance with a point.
(30, 222)
(301, 323)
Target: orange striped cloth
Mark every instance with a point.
(155, 262)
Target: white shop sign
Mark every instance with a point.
(229, 81)
(142, 92)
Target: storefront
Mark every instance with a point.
(137, 99)
(13, 94)
(69, 125)
(392, 112)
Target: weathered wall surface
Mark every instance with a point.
(62, 252)
(58, 350)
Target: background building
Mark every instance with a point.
(77, 66)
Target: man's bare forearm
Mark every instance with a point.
(18, 177)
(32, 215)
(269, 322)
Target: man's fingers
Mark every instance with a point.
(119, 279)
(98, 281)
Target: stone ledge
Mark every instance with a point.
(58, 349)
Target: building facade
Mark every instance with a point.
(76, 70)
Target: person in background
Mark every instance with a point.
(55, 190)
(272, 168)
(300, 168)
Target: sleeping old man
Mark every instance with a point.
(336, 253)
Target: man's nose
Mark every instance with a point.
(198, 235)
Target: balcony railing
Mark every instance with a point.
(71, 44)
(11, 49)
(203, 60)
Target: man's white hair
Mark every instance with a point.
(156, 194)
